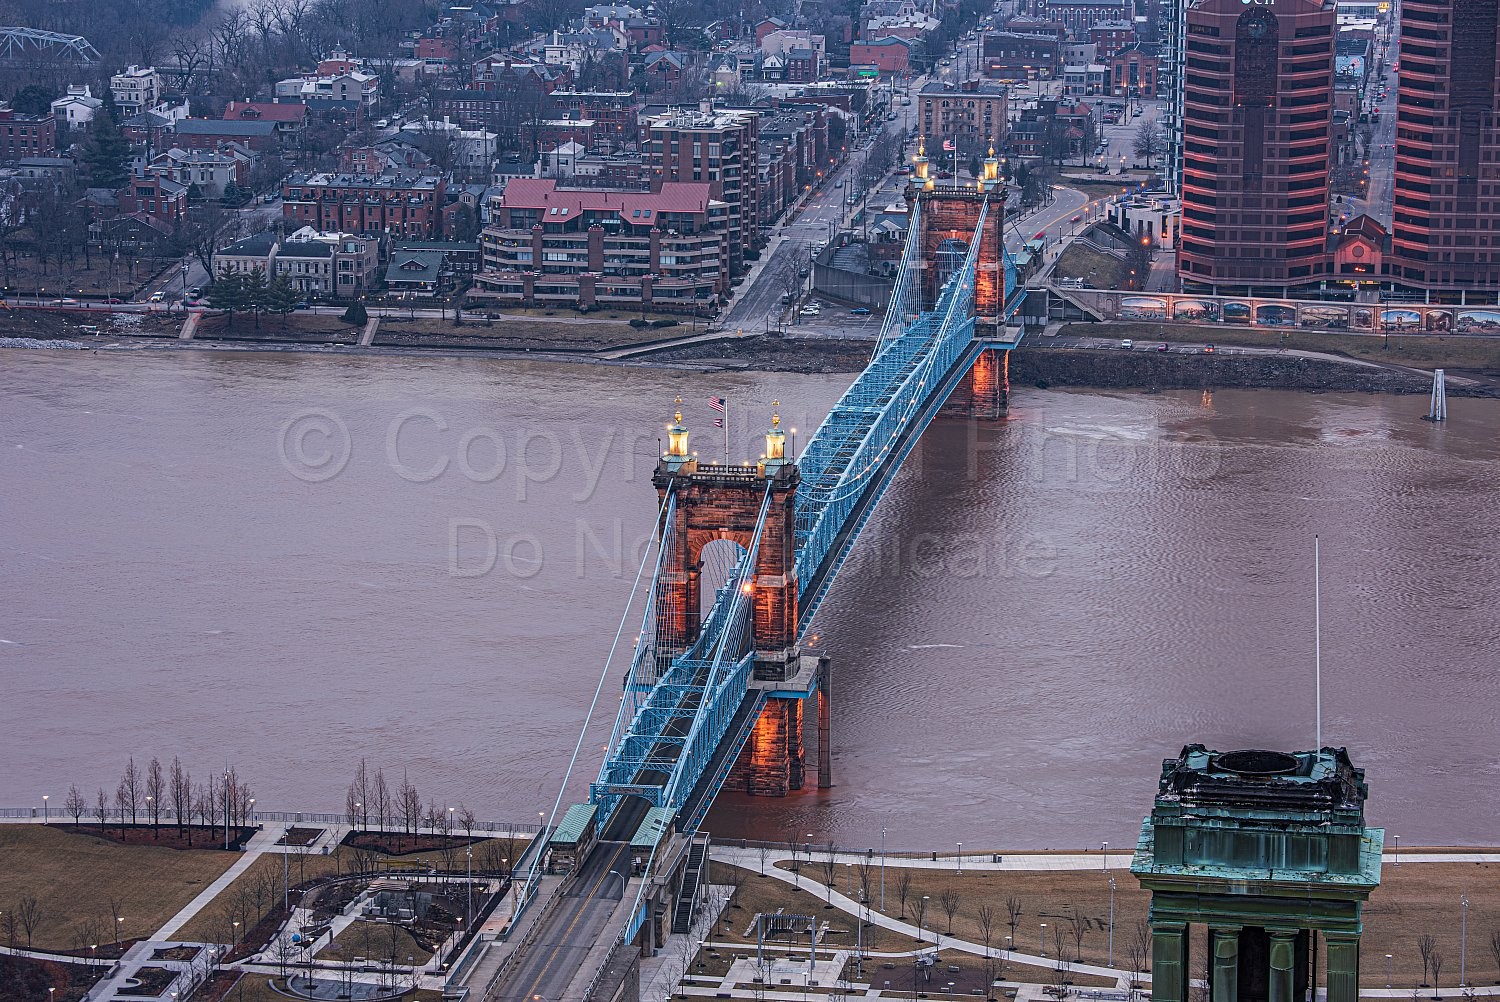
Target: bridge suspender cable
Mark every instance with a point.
(536, 859)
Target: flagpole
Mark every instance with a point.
(726, 431)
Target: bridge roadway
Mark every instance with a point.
(550, 963)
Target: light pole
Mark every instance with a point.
(1463, 939)
(226, 811)
(1388, 970)
(44, 819)
(1104, 854)
(234, 934)
(960, 857)
(1044, 941)
(1398, 849)
(119, 928)
(882, 869)
(1111, 921)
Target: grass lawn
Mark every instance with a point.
(74, 877)
(1422, 351)
(379, 941)
(1413, 900)
(260, 888)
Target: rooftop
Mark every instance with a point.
(640, 207)
(393, 180)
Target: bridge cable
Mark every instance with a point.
(593, 703)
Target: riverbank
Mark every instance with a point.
(1094, 368)
(1274, 360)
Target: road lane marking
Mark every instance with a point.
(531, 992)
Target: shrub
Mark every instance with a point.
(664, 323)
(356, 315)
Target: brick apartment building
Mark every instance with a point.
(718, 146)
(666, 250)
(403, 205)
(26, 135)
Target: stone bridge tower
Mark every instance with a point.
(949, 215)
(717, 501)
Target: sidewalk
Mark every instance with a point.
(261, 842)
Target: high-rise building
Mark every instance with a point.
(717, 145)
(1257, 119)
(1446, 221)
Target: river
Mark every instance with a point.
(291, 561)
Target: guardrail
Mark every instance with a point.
(280, 817)
(526, 942)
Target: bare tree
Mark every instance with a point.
(921, 910)
(1425, 947)
(29, 914)
(986, 916)
(75, 804)
(830, 865)
(1078, 926)
(864, 873)
(122, 809)
(1149, 142)
(352, 806)
(410, 805)
(10, 926)
(1013, 915)
(182, 797)
(950, 900)
(362, 788)
(101, 808)
(1137, 960)
(1435, 958)
(764, 852)
(130, 784)
(382, 795)
(466, 821)
(156, 787)
(1495, 948)
(903, 889)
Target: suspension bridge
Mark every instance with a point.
(717, 676)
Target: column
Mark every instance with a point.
(825, 737)
(1169, 962)
(1342, 953)
(1283, 963)
(1224, 948)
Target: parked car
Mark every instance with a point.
(1127, 344)
(860, 311)
(1076, 218)
(1163, 347)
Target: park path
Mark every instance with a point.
(750, 859)
(261, 842)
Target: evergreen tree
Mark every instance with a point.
(194, 193)
(253, 288)
(356, 315)
(228, 292)
(281, 297)
(105, 155)
(111, 110)
(231, 193)
(33, 99)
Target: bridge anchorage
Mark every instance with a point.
(716, 691)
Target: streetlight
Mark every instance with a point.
(234, 934)
(1388, 970)
(1398, 849)
(252, 810)
(1111, 921)
(882, 869)
(44, 818)
(1463, 939)
(1044, 941)
(1104, 854)
(119, 927)
(960, 857)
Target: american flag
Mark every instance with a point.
(716, 403)
(948, 146)
(718, 422)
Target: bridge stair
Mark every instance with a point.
(692, 884)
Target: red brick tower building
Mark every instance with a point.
(1257, 124)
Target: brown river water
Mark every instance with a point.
(290, 561)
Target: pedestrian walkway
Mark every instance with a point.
(261, 842)
(750, 859)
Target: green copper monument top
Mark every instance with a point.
(1261, 816)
